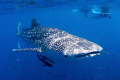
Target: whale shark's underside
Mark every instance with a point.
(54, 42)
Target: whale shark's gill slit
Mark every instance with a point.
(91, 54)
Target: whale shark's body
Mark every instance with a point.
(60, 43)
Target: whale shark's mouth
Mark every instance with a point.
(91, 54)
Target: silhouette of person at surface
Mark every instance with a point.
(97, 13)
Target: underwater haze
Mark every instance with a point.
(65, 15)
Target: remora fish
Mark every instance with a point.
(63, 44)
(44, 60)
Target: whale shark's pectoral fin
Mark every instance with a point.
(28, 49)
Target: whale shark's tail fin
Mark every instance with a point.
(18, 27)
(18, 31)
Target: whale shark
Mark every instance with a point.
(56, 43)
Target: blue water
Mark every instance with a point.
(64, 15)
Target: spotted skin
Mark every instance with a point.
(61, 42)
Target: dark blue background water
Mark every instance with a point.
(26, 66)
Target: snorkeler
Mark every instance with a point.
(97, 13)
(105, 11)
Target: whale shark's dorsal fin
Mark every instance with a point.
(34, 23)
